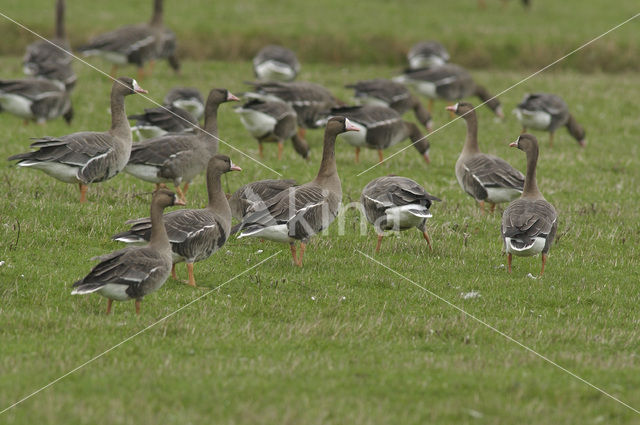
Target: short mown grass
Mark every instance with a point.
(341, 340)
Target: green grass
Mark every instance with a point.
(342, 340)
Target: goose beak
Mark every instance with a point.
(426, 157)
(138, 89)
(234, 167)
(231, 97)
(348, 126)
(582, 143)
(499, 112)
(179, 201)
(452, 108)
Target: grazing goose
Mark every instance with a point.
(254, 196)
(529, 224)
(484, 177)
(449, 82)
(135, 44)
(310, 101)
(300, 212)
(36, 99)
(194, 234)
(427, 54)
(178, 158)
(393, 95)
(380, 127)
(87, 157)
(133, 272)
(548, 112)
(47, 58)
(187, 98)
(276, 63)
(272, 121)
(155, 122)
(396, 203)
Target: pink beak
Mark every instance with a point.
(234, 167)
(231, 97)
(349, 126)
(513, 144)
(451, 108)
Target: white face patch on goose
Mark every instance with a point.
(136, 87)
(456, 107)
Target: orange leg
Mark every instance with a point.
(357, 155)
(551, 139)
(181, 194)
(173, 272)
(379, 243)
(280, 148)
(452, 114)
(509, 257)
(294, 254)
(303, 246)
(185, 188)
(161, 186)
(140, 73)
(260, 150)
(109, 302)
(428, 239)
(481, 205)
(492, 207)
(138, 306)
(524, 130)
(192, 279)
(114, 71)
(380, 156)
(302, 132)
(83, 192)
(544, 261)
(430, 105)
(152, 64)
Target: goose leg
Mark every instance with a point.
(492, 207)
(140, 73)
(428, 239)
(152, 64)
(260, 151)
(185, 189)
(544, 261)
(181, 194)
(161, 186)
(481, 205)
(138, 306)
(83, 192)
(292, 246)
(303, 246)
(280, 148)
(357, 155)
(109, 302)
(302, 132)
(509, 257)
(114, 71)
(173, 272)
(379, 243)
(380, 156)
(430, 105)
(192, 279)
(551, 139)
(524, 130)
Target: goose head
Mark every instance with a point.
(222, 164)
(462, 109)
(339, 125)
(166, 198)
(127, 86)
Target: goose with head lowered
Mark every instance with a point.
(187, 98)
(254, 196)
(133, 272)
(194, 234)
(396, 203)
(87, 157)
(484, 177)
(529, 224)
(276, 63)
(380, 128)
(156, 122)
(178, 158)
(36, 99)
(298, 213)
(427, 54)
(548, 112)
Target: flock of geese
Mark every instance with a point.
(174, 149)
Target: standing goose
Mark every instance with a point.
(156, 122)
(36, 99)
(396, 203)
(484, 177)
(276, 63)
(272, 121)
(187, 98)
(449, 82)
(135, 44)
(379, 128)
(254, 196)
(47, 58)
(133, 272)
(548, 112)
(178, 158)
(393, 95)
(529, 224)
(194, 234)
(427, 54)
(87, 157)
(300, 212)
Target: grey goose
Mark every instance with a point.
(383, 92)
(396, 203)
(548, 112)
(155, 122)
(255, 195)
(36, 99)
(187, 98)
(426, 54)
(194, 234)
(299, 212)
(178, 158)
(484, 177)
(87, 157)
(133, 272)
(529, 224)
(275, 63)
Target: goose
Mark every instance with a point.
(450, 82)
(156, 122)
(48, 58)
(194, 234)
(529, 224)
(36, 99)
(187, 98)
(272, 121)
(548, 112)
(427, 54)
(255, 195)
(484, 177)
(133, 272)
(383, 92)
(87, 157)
(298, 213)
(276, 63)
(135, 44)
(178, 158)
(396, 203)
(379, 128)
(310, 101)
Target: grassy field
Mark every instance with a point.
(341, 340)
